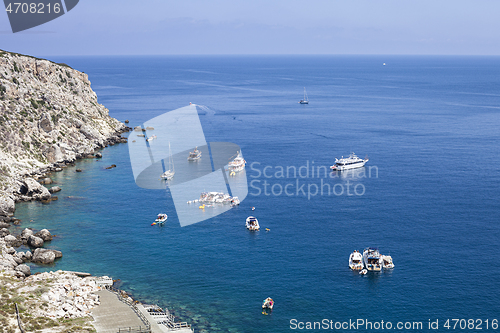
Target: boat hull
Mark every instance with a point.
(349, 166)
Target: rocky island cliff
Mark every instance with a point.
(49, 117)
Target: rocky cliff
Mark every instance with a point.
(49, 117)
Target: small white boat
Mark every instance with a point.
(169, 174)
(160, 219)
(363, 271)
(387, 262)
(351, 162)
(252, 223)
(151, 138)
(356, 261)
(306, 99)
(236, 165)
(371, 259)
(195, 155)
(268, 303)
(235, 201)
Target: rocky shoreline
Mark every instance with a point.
(58, 301)
(49, 119)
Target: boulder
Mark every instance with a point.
(43, 256)
(57, 253)
(4, 232)
(28, 255)
(25, 269)
(35, 241)
(7, 205)
(45, 123)
(89, 132)
(78, 170)
(18, 260)
(26, 233)
(45, 235)
(47, 181)
(9, 240)
(4, 225)
(10, 250)
(98, 155)
(32, 188)
(54, 189)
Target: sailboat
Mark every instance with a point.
(305, 100)
(169, 174)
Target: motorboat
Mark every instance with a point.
(252, 223)
(215, 197)
(160, 219)
(268, 303)
(387, 262)
(235, 201)
(351, 162)
(194, 155)
(237, 165)
(371, 259)
(356, 261)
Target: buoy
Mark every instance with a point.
(153, 223)
(202, 207)
(267, 229)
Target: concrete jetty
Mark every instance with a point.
(113, 314)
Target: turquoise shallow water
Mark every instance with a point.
(428, 124)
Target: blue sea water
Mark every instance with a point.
(430, 126)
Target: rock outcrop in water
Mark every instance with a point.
(49, 117)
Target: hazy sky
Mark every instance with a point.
(123, 27)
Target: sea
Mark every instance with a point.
(428, 196)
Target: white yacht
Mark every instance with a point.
(356, 261)
(195, 155)
(371, 259)
(169, 174)
(351, 162)
(237, 165)
(215, 197)
(252, 224)
(387, 262)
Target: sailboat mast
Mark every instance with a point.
(170, 160)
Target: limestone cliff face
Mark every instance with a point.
(48, 114)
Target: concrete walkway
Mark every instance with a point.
(155, 328)
(113, 314)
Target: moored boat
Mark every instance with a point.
(252, 223)
(356, 261)
(237, 165)
(268, 303)
(169, 174)
(194, 155)
(387, 262)
(160, 219)
(351, 162)
(371, 259)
